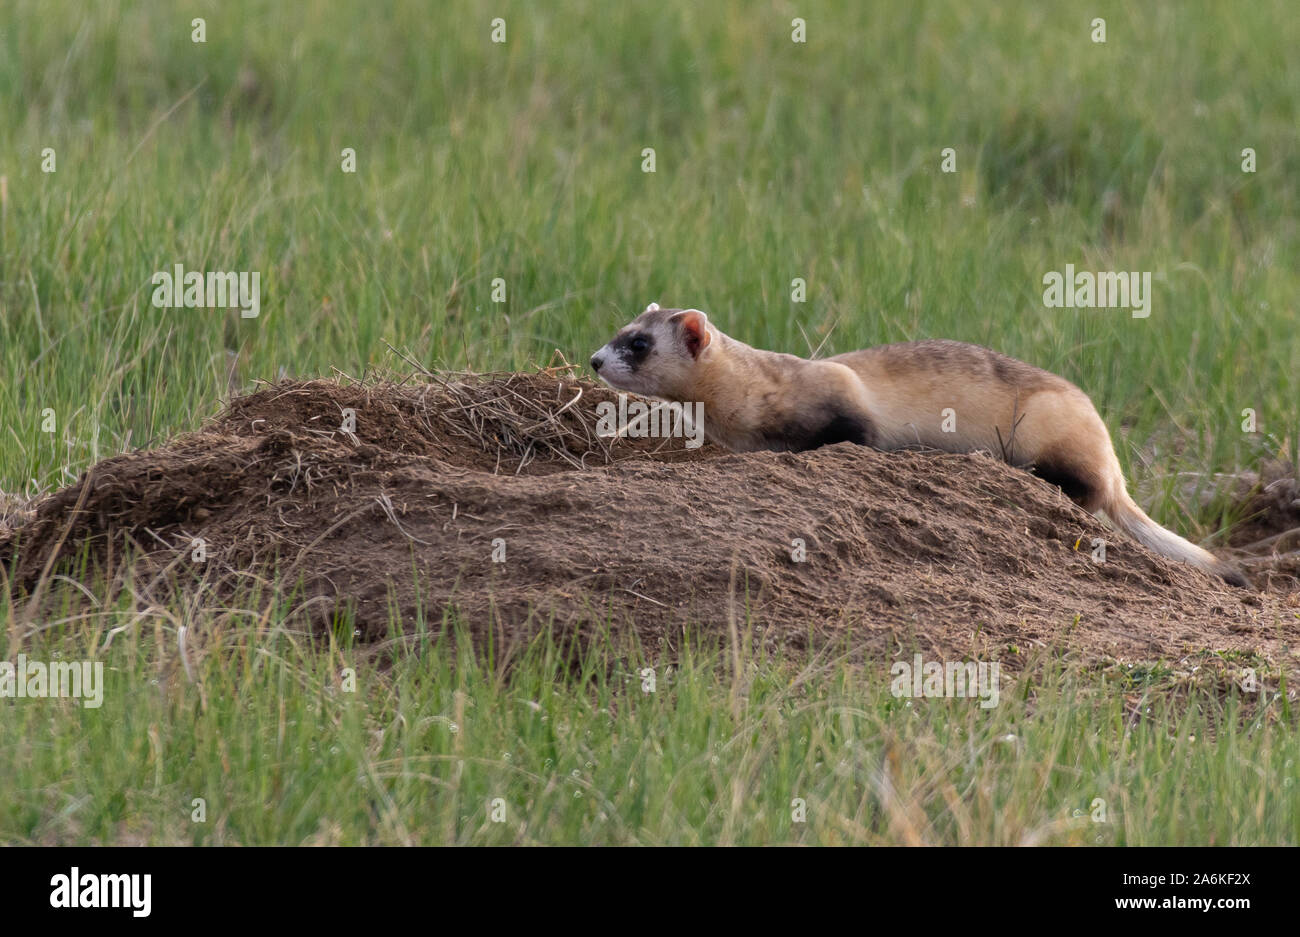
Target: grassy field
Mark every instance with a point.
(267, 742)
(523, 161)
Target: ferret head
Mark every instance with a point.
(658, 353)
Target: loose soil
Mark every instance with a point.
(879, 553)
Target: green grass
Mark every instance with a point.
(522, 161)
(556, 745)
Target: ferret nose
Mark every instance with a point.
(596, 362)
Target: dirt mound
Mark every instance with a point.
(496, 497)
(1270, 533)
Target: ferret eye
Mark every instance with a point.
(638, 344)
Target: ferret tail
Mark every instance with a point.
(1128, 517)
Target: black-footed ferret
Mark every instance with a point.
(939, 394)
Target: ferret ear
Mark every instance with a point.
(653, 307)
(695, 330)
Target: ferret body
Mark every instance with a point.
(938, 394)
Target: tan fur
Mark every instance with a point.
(784, 389)
(757, 399)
